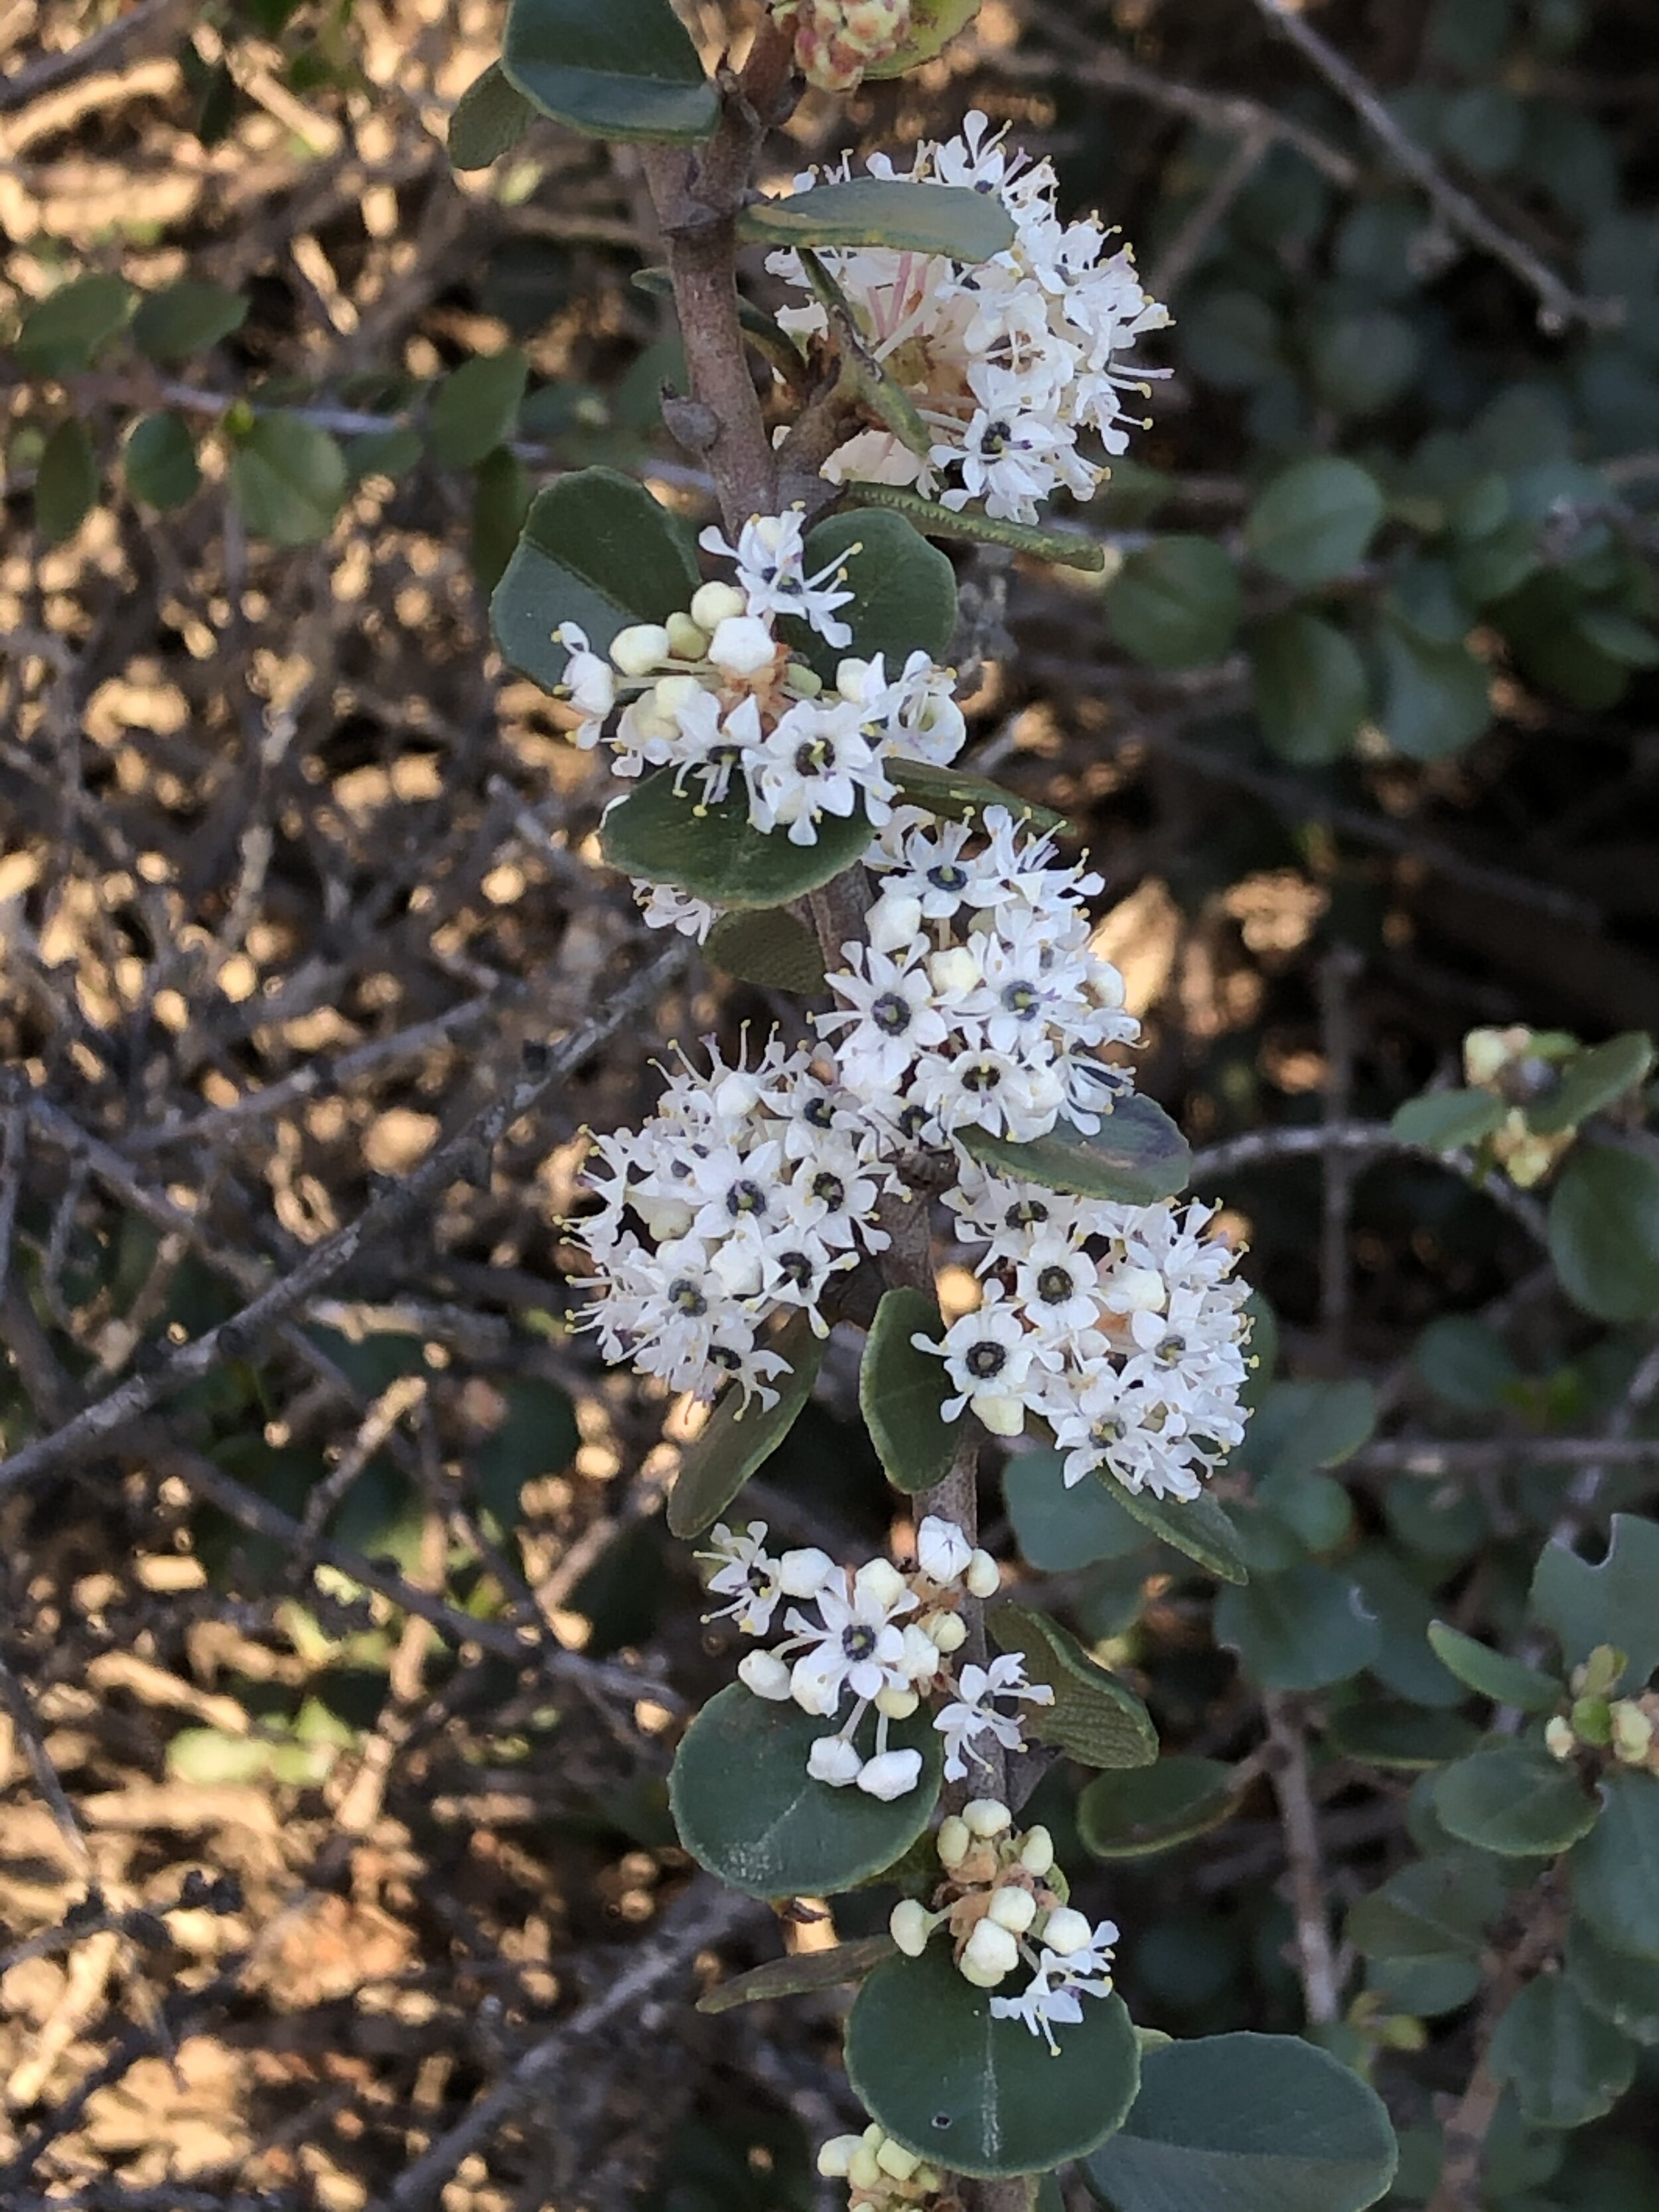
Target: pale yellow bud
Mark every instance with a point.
(1012, 1909)
(687, 640)
(894, 2160)
(954, 1841)
(640, 648)
(713, 603)
(986, 1817)
(1036, 1851)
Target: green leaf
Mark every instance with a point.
(934, 24)
(1311, 692)
(490, 118)
(160, 461)
(476, 407)
(1137, 1157)
(64, 332)
(732, 1443)
(1616, 1987)
(1515, 1800)
(596, 550)
(1404, 1661)
(952, 219)
(187, 318)
(625, 69)
(1314, 522)
(536, 1436)
(1146, 1809)
(901, 1391)
(1505, 1681)
(715, 852)
(1597, 1078)
(65, 484)
(1465, 1361)
(1361, 362)
(501, 498)
(766, 946)
(1093, 1719)
(1615, 1870)
(1619, 636)
(1434, 696)
(1424, 1930)
(1299, 1427)
(1068, 548)
(800, 1974)
(390, 453)
(1061, 1528)
(957, 795)
(288, 478)
(1196, 1527)
(1175, 604)
(747, 1809)
(1567, 2064)
(1447, 1120)
(904, 589)
(1389, 1733)
(1246, 2122)
(1301, 1629)
(1612, 1602)
(1604, 1232)
(982, 2096)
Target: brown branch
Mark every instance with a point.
(1286, 1765)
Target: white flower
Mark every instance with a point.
(942, 1551)
(590, 681)
(973, 1714)
(985, 1353)
(771, 557)
(1052, 1995)
(745, 1573)
(742, 646)
(1067, 1932)
(665, 906)
(857, 1646)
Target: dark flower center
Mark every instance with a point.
(859, 1642)
(1055, 1284)
(831, 1190)
(892, 1013)
(986, 1359)
(686, 1299)
(745, 1198)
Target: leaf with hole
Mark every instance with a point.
(1314, 522)
(1611, 1602)
(286, 480)
(715, 852)
(625, 69)
(1506, 1681)
(1301, 1629)
(801, 1973)
(980, 2096)
(597, 551)
(1515, 1800)
(1137, 1157)
(490, 118)
(1093, 1719)
(1246, 2122)
(1147, 1809)
(902, 1389)
(950, 220)
(733, 1442)
(746, 1807)
(766, 946)
(187, 318)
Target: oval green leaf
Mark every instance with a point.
(732, 1443)
(1446, 1120)
(1247, 2124)
(490, 118)
(1068, 549)
(1060, 1527)
(597, 551)
(65, 330)
(952, 219)
(1566, 2063)
(800, 1974)
(1093, 1719)
(1300, 1427)
(1611, 1603)
(901, 1391)
(1175, 602)
(65, 484)
(956, 795)
(1380, 1732)
(187, 318)
(1604, 1232)
(1592, 1079)
(1616, 1987)
(1435, 696)
(1137, 1157)
(160, 461)
(747, 1809)
(1615, 1870)
(626, 69)
(288, 478)
(1513, 1799)
(1301, 1629)
(1505, 1681)
(476, 406)
(716, 852)
(1311, 692)
(1314, 522)
(766, 946)
(980, 2096)
(1143, 1810)
(1195, 1526)
(904, 589)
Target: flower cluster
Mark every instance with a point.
(1007, 362)
(1120, 1326)
(881, 1639)
(753, 1189)
(976, 1002)
(836, 40)
(880, 2173)
(718, 696)
(1520, 1066)
(1001, 1901)
(1612, 1731)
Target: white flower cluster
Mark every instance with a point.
(753, 1187)
(1007, 362)
(976, 1002)
(882, 1639)
(1120, 1326)
(716, 696)
(1001, 1902)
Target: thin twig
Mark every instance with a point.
(1287, 1770)
(1266, 1148)
(1337, 970)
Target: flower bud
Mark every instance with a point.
(686, 640)
(894, 920)
(742, 646)
(806, 1572)
(891, 1774)
(1003, 1414)
(1486, 1053)
(862, 2170)
(834, 1760)
(640, 648)
(806, 683)
(1632, 1732)
(671, 695)
(983, 1978)
(910, 1924)
(1137, 1289)
(986, 1817)
(946, 1631)
(1592, 1722)
(896, 2161)
(1105, 985)
(918, 1660)
(992, 1949)
(1012, 1909)
(1558, 1738)
(882, 1580)
(897, 1704)
(713, 603)
(955, 969)
(810, 1689)
(984, 1576)
(851, 678)
(766, 1676)
(1036, 1851)
(942, 1551)
(954, 1840)
(735, 1267)
(1065, 1932)
(836, 2157)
